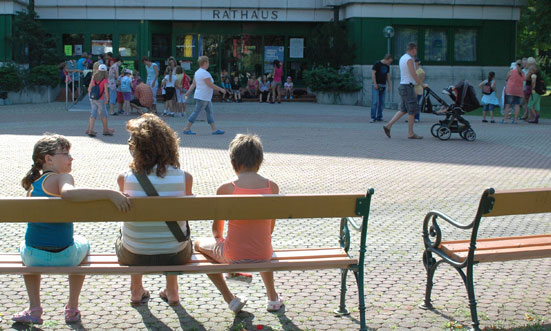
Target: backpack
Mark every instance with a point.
(96, 92)
(487, 88)
(540, 87)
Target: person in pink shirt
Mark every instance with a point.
(276, 84)
(513, 92)
(247, 240)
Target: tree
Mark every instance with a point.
(32, 44)
(329, 46)
(534, 28)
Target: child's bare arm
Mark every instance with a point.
(218, 225)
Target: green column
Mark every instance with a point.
(6, 31)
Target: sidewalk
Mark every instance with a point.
(309, 148)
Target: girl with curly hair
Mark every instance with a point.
(154, 148)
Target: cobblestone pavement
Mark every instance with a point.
(309, 148)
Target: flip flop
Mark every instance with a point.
(91, 134)
(387, 131)
(189, 132)
(164, 297)
(72, 315)
(415, 137)
(108, 133)
(218, 132)
(144, 299)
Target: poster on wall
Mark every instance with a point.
(78, 49)
(68, 49)
(296, 48)
(101, 46)
(272, 53)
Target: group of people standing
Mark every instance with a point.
(155, 161)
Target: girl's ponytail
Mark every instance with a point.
(31, 176)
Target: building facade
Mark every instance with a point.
(456, 37)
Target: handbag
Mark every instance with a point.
(152, 192)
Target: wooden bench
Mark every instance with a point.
(464, 254)
(342, 206)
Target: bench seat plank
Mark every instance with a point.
(294, 259)
(500, 249)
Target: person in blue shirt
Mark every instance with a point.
(82, 62)
(54, 244)
(126, 89)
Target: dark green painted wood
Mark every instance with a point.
(6, 31)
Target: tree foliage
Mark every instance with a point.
(32, 44)
(534, 28)
(329, 46)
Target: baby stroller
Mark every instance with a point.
(465, 101)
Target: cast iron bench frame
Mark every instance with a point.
(463, 254)
(253, 207)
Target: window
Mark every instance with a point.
(185, 46)
(72, 44)
(296, 71)
(127, 45)
(274, 47)
(436, 45)
(252, 54)
(465, 45)
(208, 45)
(102, 43)
(403, 37)
(160, 46)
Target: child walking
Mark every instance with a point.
(99, 101)
(53, 244)
(126, 90)
(168, 84)
(489, 99)
(247, 240)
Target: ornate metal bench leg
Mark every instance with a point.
(360, 281)
(430, 265)
(342, 306)
(472, 299)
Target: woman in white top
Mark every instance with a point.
(154, 148)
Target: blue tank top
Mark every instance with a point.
(52, 235)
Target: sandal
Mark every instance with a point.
(91, 133)
(387, 131)
(143, 300)
(72, 315)
(26, 316)
(164, 297)
(274, 305)
(415, 137)
(108, 132)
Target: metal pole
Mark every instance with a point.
(389, 95)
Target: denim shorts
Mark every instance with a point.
(70, 256)
(489, 107)
(98, 107)
(512, 100)
(112, 96)
(126, 257)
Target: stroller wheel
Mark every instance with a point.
(469, 135)
(444, 133)
(434, 130)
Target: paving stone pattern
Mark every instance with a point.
(309, 148)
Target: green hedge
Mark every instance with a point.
(44, 75)
(10, 79)
(331, 80)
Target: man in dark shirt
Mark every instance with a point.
(380, 74)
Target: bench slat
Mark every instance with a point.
(501, 249)
(520, 202)
(245, 207)
(318, 258)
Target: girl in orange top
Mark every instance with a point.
(247, 240)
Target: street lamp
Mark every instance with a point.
(388, 32)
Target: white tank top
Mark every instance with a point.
(152, 238)
(405, 76)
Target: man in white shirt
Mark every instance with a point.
(408, 79)
(204, 88)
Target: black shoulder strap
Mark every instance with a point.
(152, 192)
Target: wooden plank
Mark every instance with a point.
(202, 267)
(507, 254)
(249, 207)
(499, 243)
(520, 202)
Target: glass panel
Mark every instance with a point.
(127, 45)
(436, 45)
(252, 55)
(70, 41)
(402, 37)
(102, 43)
(232, 48)
(296, 71)
(185, 46)
(274, 47)
(465, 45)
(160, 46)
(208, 45)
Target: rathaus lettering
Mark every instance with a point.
(244, 14)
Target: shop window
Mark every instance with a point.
(402, 38)
(465, 45)
(274, 48)
(72, 44)
(436, 45)
(102, 43)
(185, 46)
(127, 45)
(232, 47)
(252, 55)
(208, 46)
(296, 70)
(160, 46)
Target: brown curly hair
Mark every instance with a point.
(152, 143)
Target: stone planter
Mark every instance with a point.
(338, 98)
(40, 94)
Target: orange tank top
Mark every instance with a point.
(249, 239)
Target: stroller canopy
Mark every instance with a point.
(466, 97)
